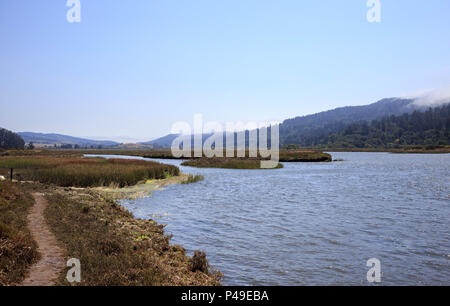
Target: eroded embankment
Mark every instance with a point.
(143, 189)
(113, 247)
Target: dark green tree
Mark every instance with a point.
(10, 140)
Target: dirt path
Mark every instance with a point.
(48, 268)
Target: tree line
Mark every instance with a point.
(427, 128)
(10, 140)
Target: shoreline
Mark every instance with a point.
(394, 151)
(91, 225)
(142, 189)
(164, 154)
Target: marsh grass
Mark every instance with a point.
(85, 172)
(227, 163)
(18, 250)
(255, 163)
(304, 156)
(285, 155)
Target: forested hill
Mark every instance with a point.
(10, 140)
(419, 128)
(313, 129)
(398, 122)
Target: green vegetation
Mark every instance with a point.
(66, 168)
(41, 152)
(429, 129)
(255, 163)
(417, 131)
(116, 249)
(85, 172)
(18, 250)
(308, 131)
(304, 156)
(160, 154)
(422, 150)
(227, 163)
(10, 140)
(403, 149)
(292, 153)
(193, 179)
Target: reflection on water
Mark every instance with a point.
(316, 224)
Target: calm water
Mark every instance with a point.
(316, 224)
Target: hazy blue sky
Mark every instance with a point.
(132, 68)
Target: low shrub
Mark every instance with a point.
(199, 262)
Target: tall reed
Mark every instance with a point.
(86, 172)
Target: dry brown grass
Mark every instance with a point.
(18, 250)
(114, 248)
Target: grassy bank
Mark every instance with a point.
(18, 250)
(255, 163)
(411, 149)
(422, 151)
(71, 170)
(300, 155)
(226, 163)
(116, 249)
(304, 156)
(84, 172)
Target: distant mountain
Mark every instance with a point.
(162, 142)
(52, 139)
(133, 146)
(302, 130)
(314, 130)
(166, 141)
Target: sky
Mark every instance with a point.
(130, 69)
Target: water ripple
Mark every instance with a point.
(316, 224)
